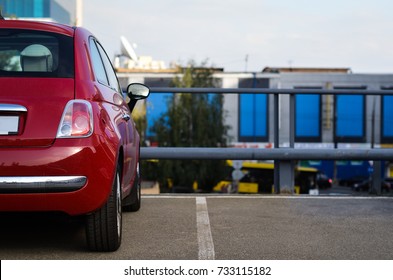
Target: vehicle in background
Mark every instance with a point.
(346, 172)
(323, 181)
(258, 177)
(365, 186)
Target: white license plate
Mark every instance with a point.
(9, 125)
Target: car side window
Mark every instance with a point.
(102, 66)
(98, 67)
(113, 82)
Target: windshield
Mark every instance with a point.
(28, 53)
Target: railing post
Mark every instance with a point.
(376, 186)
(376, 181)
(287, 177)
(276, 145)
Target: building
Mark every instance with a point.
(321, 121)
(62, 11)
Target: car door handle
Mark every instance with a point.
(126, 117)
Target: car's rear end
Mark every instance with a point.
(48, 152)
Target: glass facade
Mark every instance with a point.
(253, 124)
(308, 117)
(157, 105)
(26, 8)
(253, 111)
(350, 120)
(387, 119)
(35, 9)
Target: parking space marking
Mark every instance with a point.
(205, 239)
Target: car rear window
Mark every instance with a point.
(28, 53)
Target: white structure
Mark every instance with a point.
(128, 60)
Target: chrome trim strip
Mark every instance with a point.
(12, 108)
(41, 184)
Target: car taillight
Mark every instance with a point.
(77, 120)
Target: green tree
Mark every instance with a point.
(192, 120)
(139, 116)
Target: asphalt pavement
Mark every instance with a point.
(191, 227)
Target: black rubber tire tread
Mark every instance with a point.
(135, 196)
(101, 226)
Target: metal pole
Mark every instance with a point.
(375, 187)
(376, 178)
(292, 121)
(287, 176)
(265, 154)
(276, 145)
(270, 91)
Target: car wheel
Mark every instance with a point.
(133, 202)
(104, 227)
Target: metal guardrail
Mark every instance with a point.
(283, 157)
(265, 154)
(271, 91)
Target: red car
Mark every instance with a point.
(67, 139)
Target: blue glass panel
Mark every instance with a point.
(350, 121)
(260, 115)
(26, 8)
(253, 115)
(307, 115)
(156, 106)
(247, 115)
(38, 8)
(387, 129)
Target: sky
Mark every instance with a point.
(249, 35)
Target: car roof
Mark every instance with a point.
(38, 25)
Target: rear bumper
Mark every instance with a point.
(41, 184)
(74, 176)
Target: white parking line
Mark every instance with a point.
(205, 239)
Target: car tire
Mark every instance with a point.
(133, 202)
(104, 227)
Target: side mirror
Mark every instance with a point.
(136, 91)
